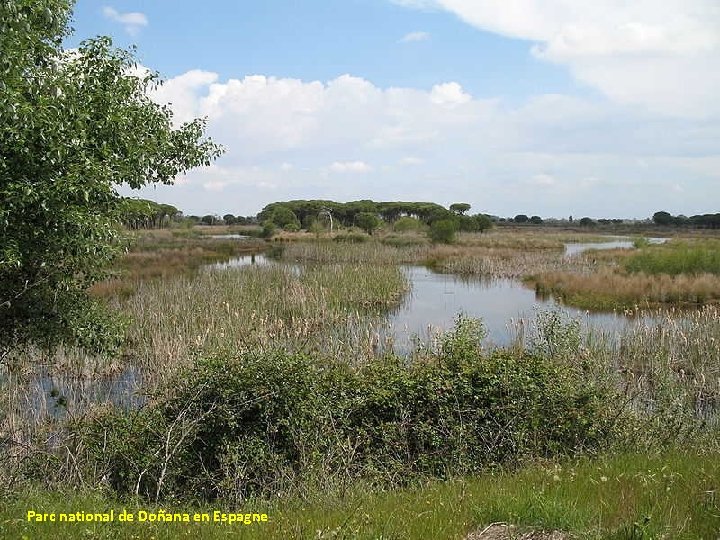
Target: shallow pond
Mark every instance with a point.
(617, 242)
(435, 300)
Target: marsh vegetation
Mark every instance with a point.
(283, 379)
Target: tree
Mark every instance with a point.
(536, 220)
(443, 231)
(663, 218)
(586, 222)
(460, 208)
(367, 221)
(73, 126)
(229, 219)
(482, 222)
(521, 218)
(285, 218)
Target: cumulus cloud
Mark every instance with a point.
(349, 139)
(132, 21)
(350, 167)
(414, 36)
(664, 55)
(449, 94)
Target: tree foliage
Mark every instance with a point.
(443, 231)
(700, 221)
(460, 208)
(74, 125)
(367, 221)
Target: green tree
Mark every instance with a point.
(482, 222)
(460, 208)
(367, 221)
(285, 218)
(73, 127)
(521, 218)
(443, 231)
(663, 218)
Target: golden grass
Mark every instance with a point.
(610, 289)
(165, 253)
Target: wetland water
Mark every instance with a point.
(433, 304)
(435, 300)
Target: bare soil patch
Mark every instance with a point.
(503, 531)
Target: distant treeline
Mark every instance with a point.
(144, 214)
(367, 214)
(703, 221)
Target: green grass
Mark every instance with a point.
(672, 496)
(677, 257)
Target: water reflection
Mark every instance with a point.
(619, 242)
(237, 262)
(436, 299)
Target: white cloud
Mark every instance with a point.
(414, 36)
(183, 93)
(663, 55)
(449, 94)
(131, 21)
(350, 167)
(348, 139)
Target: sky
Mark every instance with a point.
(540, 107)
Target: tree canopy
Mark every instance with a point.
(74, 125)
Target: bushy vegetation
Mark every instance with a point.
(263, 422)
(443, 231)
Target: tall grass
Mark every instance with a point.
(608, 289)
(678, 257)
(160, 254)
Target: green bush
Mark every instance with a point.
(407, 224)
(263, 423)
(443, 231)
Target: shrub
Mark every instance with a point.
(268, 230)
(406, 224)
(263, 423)
(443, 231)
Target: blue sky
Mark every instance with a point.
(550, 108)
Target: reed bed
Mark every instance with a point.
(511, 263)
(374, 253)
(691, 257)
(160, 254)
(257, 307)
(461, 259)
(673, 362)
(511, 240)
(666, 365)
(608, 289)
